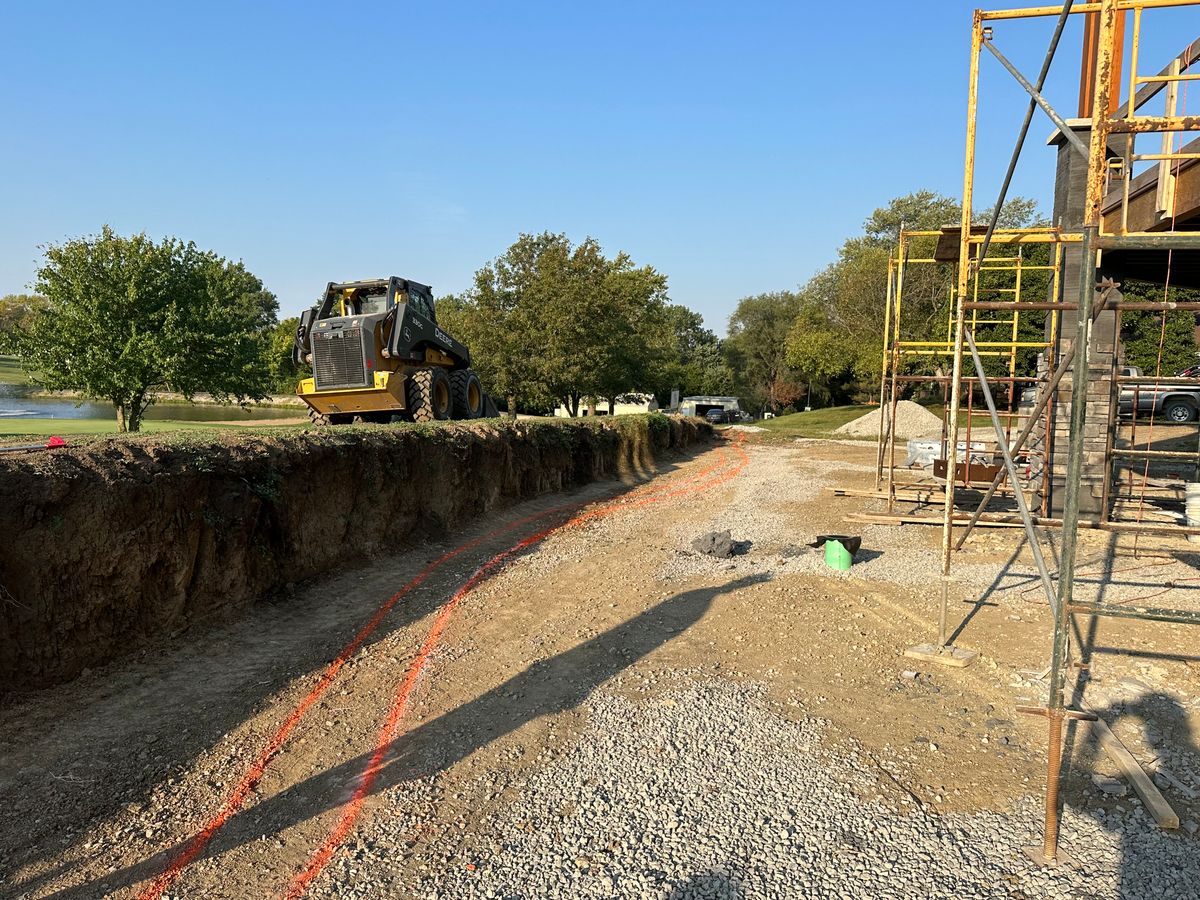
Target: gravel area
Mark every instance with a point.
(912, 421)
(711, 790)
(762, 510)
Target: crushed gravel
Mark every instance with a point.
(711, 790)
(912, 421)
(760, 512)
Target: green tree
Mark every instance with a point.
(497, 318)
(1144, 333)
(126, 317)
(16, 313)
(549, 321)
(634, 342)
(284, 372)
(691, 360)
(757, 350)
(838, 342)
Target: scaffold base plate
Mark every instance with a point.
(1035, 853)
(943, 656)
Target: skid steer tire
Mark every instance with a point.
(468, 394)
(322, 419)
(429, 395)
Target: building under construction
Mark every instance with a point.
(1043, 425)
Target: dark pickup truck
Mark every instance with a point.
(1175, 400)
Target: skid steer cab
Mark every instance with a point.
(377, 355)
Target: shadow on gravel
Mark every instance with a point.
(202, 686)
(1165, 726)
(547, 687)
(711, 886)
(1164, 722)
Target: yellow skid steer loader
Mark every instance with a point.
(378, 355)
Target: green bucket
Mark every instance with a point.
(837, 556)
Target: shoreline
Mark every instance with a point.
(173, 399)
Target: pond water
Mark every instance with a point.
(16, 403)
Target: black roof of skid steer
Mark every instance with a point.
(402, 283)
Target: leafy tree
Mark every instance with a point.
(284, 372)
(550, 321)
(1143, 332)
(633, 342)
(692, 360)
(126, 317)
(837, 344)
(918, 211)
(16, 312)
(757, 346)
(497, 319)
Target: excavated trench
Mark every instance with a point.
(112, 545)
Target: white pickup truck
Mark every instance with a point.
(1170, 399)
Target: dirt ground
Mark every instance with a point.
(108, 778)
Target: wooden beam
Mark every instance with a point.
(1156, 804)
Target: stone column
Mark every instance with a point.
(1069, 194)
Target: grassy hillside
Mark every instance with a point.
(11, 371)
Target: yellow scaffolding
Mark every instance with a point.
(1000, 297)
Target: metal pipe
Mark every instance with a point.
(1133, 305)
(1053, 773)
(1079, 380)
(884, 368)
(1155, 454)
(1110, 433)
(1030, 533)
(1041, 101)
(1144, 613)
(1101, 121)
(1042, 403)
(1016, 154)
(1040, 12)
(1142, 379)
(1176, 240)
(902, 261)
(964, 267)
(1148, 124)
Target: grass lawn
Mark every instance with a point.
(11, 371)
(818, 423)
(13, 430)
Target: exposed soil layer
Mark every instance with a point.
(118, 543)
(568, 729)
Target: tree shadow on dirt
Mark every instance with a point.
(547, 687)
(196, 690)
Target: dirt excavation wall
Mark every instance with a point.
(106, 546)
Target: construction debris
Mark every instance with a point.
(719, 544)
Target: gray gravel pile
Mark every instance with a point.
(912, 421)
(708, 792)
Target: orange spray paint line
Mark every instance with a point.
(387, 734)
(242, 791)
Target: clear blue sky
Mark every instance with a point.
(733, 146)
